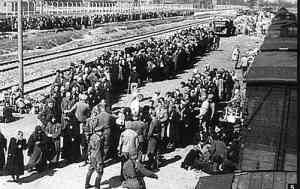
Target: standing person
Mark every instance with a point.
(235, 55)
(163, 116)
(53, 132)
(66, 104)
(153, 137)
(134, 80)
(173, 127)
(105, 123)
(91, 122)
(134, 173)
(138, 126)
(96, 150)
(48, 112)
(37, 150)
(81, 110)
(128, 143)
(3, 144)
(15, 158)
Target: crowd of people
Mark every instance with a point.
(253, 24)
(77, 123)
(44, 22)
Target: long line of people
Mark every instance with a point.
(76, 121)
(43, 22)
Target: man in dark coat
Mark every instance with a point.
(37, 150)
(48, 113)
(53, 131)
(66, 104)
(153, 136)
(71, 139)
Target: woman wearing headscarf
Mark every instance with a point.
(15, 158)
(37, 150)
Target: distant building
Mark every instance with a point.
(10, 7)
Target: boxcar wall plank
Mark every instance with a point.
(255, 182)
(291, 178)
(267, 182)
(279, 180)
(244, 181)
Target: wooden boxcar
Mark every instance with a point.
(272, 99)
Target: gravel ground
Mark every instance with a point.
(171, 176)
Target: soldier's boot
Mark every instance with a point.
(98, 181)
(88, 178)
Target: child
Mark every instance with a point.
(15, 158)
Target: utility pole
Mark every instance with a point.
(20, 46)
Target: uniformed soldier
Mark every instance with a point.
(91, 122)
(96, 152)
(105, 123)
(134, 172)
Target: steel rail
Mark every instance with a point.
(204, 20)
(73, 49)
(71, 52)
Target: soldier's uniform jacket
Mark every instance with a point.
(91, 123)
(96, 151)
(104, 121)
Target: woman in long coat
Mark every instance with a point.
(37, 150)
(15, 158)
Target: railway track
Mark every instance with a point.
(14, 61)
(11, 65)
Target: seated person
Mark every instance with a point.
(198, 157)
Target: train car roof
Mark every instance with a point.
(279, 67)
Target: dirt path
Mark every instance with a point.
(171, 176)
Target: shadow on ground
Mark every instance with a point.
(113, 182)
(35, 176)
